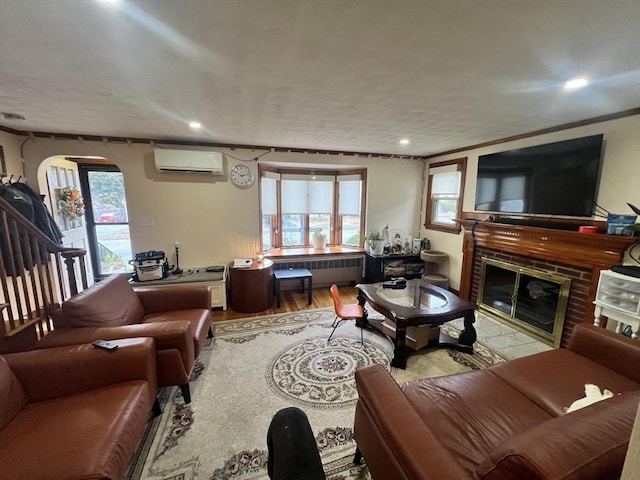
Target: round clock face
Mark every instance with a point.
(242, 176)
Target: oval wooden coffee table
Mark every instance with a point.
(420, 303)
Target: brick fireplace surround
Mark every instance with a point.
(578, 256)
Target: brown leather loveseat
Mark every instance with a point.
(75, 412)
(507, 421)
(178, 318)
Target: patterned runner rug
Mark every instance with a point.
(256, 366)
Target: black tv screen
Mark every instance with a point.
(559, 178)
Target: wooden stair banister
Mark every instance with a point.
(32, 279)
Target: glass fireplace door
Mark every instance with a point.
(531, 300)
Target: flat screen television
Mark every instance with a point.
(559, 178)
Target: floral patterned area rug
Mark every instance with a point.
(252, 368)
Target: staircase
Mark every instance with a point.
(36, 275)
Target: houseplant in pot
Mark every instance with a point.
(375, 242)
(319, 240)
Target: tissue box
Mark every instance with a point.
(616, 224)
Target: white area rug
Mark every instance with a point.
(256, 366)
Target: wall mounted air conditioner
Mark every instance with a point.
(188, 161)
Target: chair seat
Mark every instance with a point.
(349, 311)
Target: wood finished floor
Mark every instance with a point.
(293, 301)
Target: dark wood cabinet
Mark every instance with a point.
(252, 287)
(379, 268)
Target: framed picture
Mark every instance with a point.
(3, 165)
(417, 243)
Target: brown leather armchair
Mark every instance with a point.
(178, 318)
(75, 411)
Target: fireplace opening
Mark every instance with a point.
(531, 300)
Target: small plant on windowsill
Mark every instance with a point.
(319, 240)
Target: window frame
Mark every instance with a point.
(335, 227)
(461, 166)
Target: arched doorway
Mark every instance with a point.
(102, 228)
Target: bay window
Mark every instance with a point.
(295, 204)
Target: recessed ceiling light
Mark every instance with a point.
(404, 141)
(575, 83)
(195, 125)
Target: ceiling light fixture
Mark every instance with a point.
(575, 83)
(195, 125)
(404, 141)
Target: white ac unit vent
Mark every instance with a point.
(188, 161)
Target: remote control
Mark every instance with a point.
(104, 345)
(394, 285)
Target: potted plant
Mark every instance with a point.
(319, 240)
(375, 242)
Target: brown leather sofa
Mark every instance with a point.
(507, 421)
(74, 412)
(178, 318)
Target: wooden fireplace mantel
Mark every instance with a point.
(592, 251)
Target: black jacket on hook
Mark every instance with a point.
(31, 206)
(42, 218)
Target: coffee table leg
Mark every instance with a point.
(362, 322)
(399, 351)
(468, 336)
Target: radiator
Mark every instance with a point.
(326, 270)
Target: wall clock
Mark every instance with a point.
(242, 176)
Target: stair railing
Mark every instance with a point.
(32, 277)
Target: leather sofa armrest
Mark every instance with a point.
(174, 297)
(608, 348)
(62, 371)
(177, 334)
(385, 413)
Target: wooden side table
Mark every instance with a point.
(252, 286)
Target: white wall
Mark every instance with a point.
(619, 177)
(11, 146)
(212, 220)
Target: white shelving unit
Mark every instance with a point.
(216, 280)
(618, 298)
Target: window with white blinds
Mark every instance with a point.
(297, 205)
(444, 196)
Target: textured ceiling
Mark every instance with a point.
(351, 75)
